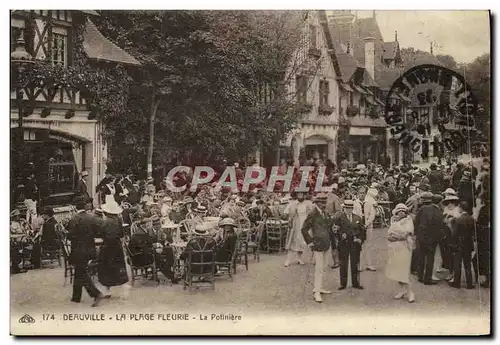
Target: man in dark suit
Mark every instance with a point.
(47, 241)
(429, 229)
(81, 187)
(82, 230)
(320, 224)
(351, 234)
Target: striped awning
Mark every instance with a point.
(346, 87)
(359, 89)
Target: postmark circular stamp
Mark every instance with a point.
(431, 105)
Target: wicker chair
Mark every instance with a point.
(202, 270)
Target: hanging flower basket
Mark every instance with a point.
(304, 108)
(325, 110)
(374, 113)
(352, 110)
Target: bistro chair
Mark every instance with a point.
(254, 238)
(241, 251)
(275, 235)
(201, 270)
(69, 270)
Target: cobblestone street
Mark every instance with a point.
(270, 288)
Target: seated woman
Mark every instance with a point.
(226, 242)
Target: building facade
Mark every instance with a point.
(316, 134)
(60, 135)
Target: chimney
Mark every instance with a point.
(370, 55)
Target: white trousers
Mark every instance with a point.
(31, 210)
(321, 260)
(366, 253)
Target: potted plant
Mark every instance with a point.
(325, 110)
(374, 113)
(352, 110)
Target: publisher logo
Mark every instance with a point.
(26, 319)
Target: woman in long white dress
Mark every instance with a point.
(297, 212)
(400, 246)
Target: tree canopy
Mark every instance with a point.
(219, 80)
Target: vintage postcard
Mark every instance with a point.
(189, 172)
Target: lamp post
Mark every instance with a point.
(20, 63)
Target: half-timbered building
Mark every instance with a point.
(60, 135)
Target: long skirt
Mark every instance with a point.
(112, 268)
(398, 261)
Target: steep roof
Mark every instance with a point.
(347, 63)
(329, 41)
(98, 47)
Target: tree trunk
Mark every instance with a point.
(152, 118)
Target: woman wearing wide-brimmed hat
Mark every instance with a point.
(112, 269)
(400, 247)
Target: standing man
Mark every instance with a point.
(320, 224)
(83, 228)
(429, 229)
(351, 236)
(30, 195)
(81, 187)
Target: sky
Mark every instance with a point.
(463, 34)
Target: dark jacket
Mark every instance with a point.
(200, 243)
(463, 233)
(49, 239)
(436, 181)
(82, 229)
(321, 227)
(429, 224)
(354, 229)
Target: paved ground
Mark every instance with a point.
(270, 299)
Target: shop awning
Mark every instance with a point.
(346, 87)
(367, 90)
(359, 89)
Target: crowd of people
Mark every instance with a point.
(445, 207)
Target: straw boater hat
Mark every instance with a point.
(227, 221)
(201, 229)
(321, 197)
(400, 207)
(348, 204)
(200, 209)
(426, 197)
